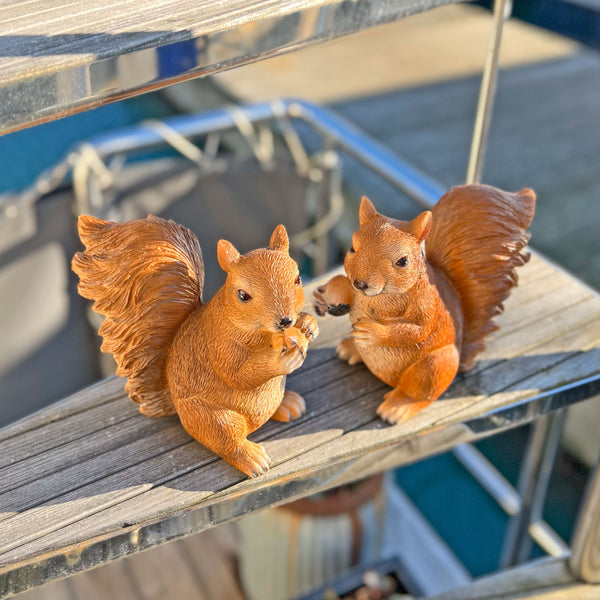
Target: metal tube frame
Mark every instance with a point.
(534, 478)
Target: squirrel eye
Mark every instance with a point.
(402, 262)
(298, 280)
(244, 296)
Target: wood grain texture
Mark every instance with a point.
(43, 36)
(113, 478)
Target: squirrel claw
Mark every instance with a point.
(368, 331)
(252, 459)
(308, 326)
(293, 352)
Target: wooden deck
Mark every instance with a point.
(90, 479)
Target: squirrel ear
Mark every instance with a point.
(421, 225)
(279, 239)
(366, 211)
(227, 255)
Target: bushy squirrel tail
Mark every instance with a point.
(145, 277)
(477, 238)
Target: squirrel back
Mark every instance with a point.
(477, 238)
(145, 277)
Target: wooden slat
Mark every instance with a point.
(57, 58)
(213, 474)
(47, 36)
(137, 471)
(91, 397)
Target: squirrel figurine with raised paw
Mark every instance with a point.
(220, 365)
(422, 294)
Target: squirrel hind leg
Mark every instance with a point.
(420, 385)
(223, 432)
(397, 407)
(292, 407)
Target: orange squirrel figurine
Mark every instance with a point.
(419, 315)
(221, 365)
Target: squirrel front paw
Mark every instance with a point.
(335, 297)
(368, 331)
(291, 348)
(250, 458)
(307, 324)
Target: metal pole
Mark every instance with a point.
(487, 92)
(533, 485)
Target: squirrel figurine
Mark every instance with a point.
(220, 365)
(422, 294)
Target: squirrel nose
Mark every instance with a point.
(360, 285)
(285, 322)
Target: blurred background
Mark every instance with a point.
(412, 85)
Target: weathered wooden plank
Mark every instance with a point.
(144, 441)
(550, 293)
(68, 35)
(76, 427)
(62, 58)
(534, 360)
(120, 490)
(71, 453)
(158, 470)
(444, 412)
(569, 591)
(93, 396)
(534, 333)
(581, 365)
(189, 489)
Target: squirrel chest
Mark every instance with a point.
(433, 307)
(203, 349)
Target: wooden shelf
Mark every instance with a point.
(89, 479)
(61, 58)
